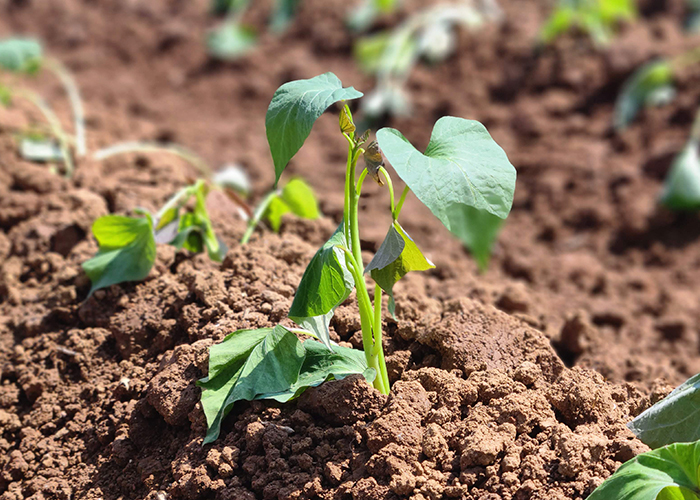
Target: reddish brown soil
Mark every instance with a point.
(97, 397)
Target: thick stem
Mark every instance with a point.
(398, 208)
(379, 347)
(76, 103)
(257, 215)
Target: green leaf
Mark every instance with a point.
(300, 199)
(5, 96)
(230, 41)
(282, 14)
(666, 473)
(681, 189)
(642, 89)
(462, 166)
(478, 231)
(674, 419)
(20, 55)
(321, 365)
(397, 255)
(127, 250)
(597, 18)
(245, 366)
(224, 6)
(326, 283)
(294, 109)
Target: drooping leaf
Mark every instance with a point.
(230, 41)
(326, 283)
(681, 189)
(668, 473)
(397, 256)
(20, 54)
(478, 230)
(245, 366)
(294, 109)
(300, 199)
(45, 150)
(234, 177)
(462, 166)
(347, 126)
(127, 250)
(652, 84)
(321, 365)
(674, 419)
(282, 14)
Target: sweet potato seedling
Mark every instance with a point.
(428, 34)
(26, 56)
(462, 169)
(595, 18)
(233, 38)
(671, 428)
(127, 245)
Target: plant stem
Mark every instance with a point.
(398, 208)
(391, 187)
(55, 125)
(371, 330)
(257, 215)
(76, 103)
(379, 347)
(154, 147)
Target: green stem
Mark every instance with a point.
(76, 103)
(55, 125)
(257, 215)
(398, 208)
(379, 348)
(391, 187)
(154, 147)
(695, 131)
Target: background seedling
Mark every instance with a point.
(681, 189)
(595, 18)
(461, 169)
(232, 38)
(428, 35)
(128, 244)
(365, 14)
(26, 56)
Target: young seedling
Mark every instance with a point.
(232, 38)
(429, 35)
(364, 15)
(681, 189)
(651, 85)
(671, 428)
(26, 56)
(128, 244)
(595, 18)
(461, 169)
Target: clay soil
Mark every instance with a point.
(515, 384)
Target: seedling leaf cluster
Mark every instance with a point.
(462, 168)
(596, 18)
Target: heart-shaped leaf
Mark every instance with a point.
(669, 473)
(127, 250)
(294, 109)
(397, 255)
(20, 54)
(681, 189)
(643, 88)
(462, 166)
(326, 283)
(674, 419)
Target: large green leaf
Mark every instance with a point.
(674, 419)
(681, 189)
(321, 365)
(294, 109)
(230, 41)
(326, 283)
(20, 54)
(650, 85)
(298, 198)
(478, 230)
(462, 166)
(397, 255)
(669, 473)
(245, 366)
(127, 250)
